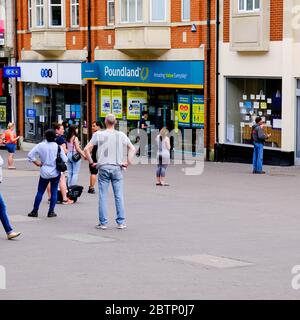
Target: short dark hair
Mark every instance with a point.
(98, 124)
(144, 113)
(50, 135)
(258, 119)
(57, 126)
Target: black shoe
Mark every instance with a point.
(52, 214)
(33, 214)
(261, 172)
(254, 172)
(91, 190)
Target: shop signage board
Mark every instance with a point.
(105, 102)
(198, 111)
(11, 72)
(166, 73)
(31, 113)
(135, 101)
(184, 110)
(89, 71)
(117, 103)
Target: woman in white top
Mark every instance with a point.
(74, 150)
(47, 152)
(163, 156)
(3, 214)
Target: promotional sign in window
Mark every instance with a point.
(135, 100)
(105, 102)
(184, 110)
(198, 112)
(2, 113)
(117, 103)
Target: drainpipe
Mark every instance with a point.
(208, 65)
(217, 69)
(16, 56)
(89, 82)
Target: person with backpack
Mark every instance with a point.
(110, 164)
(48, 152)
(96, 126)
(11, 234)
(74, 155)
(10, 139)
(258, 137)
(163, 156)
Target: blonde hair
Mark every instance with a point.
(164, 132)
(10, 125)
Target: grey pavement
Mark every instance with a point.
(225, 234)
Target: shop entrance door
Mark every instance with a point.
(163, 116)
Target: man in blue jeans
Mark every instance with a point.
(259, 138)
(110, 154)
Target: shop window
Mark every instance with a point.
(29, 14)
(131, 11)
(158, 10)
(75, 13)
(249, 5)
(186, 10)
(247, 99)
(39, 10)
(55, 15)
(110, 12)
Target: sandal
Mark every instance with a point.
(165, 184)
(158, 184)
(68, 201)
(11, 168)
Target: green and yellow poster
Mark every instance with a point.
(198, 112)
(135, 99)
(117, 103)
(2, 113)
(105, 102)
(184, 110)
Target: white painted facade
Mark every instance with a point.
(281, 60)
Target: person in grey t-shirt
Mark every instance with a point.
(110, 154)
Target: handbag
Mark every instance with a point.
(60, 164)
(76, 156)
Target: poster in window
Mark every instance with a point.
(2, 113)
(2, 22)
(198, 112)
(117, 103)
(184, 110)
(135, 100)
(105, 102)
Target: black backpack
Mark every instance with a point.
(60, 164)
(74, 192)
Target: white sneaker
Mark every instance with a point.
(122, 226)
(101, 226)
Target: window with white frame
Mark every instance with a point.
(75, 13)
(131, 11)
(29, 14)
(249, 5)
(186, 10)
(158, 10)
(110, 12)
(39, 13)
(55, 13)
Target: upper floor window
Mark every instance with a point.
(249, 5)
(39, 13)
(56, 13)
(110, 12)
(29, 14)
(75, 13)
(186, 10)
(158, 9)
(131, 11)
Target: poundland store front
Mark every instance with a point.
(170, 91)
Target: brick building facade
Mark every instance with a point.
(166, 36)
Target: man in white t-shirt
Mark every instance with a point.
(110, 154)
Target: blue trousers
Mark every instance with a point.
(161, 170)
(4, 216)
(73, 170)
(42, 186)
(258, 155)
(113, 174)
